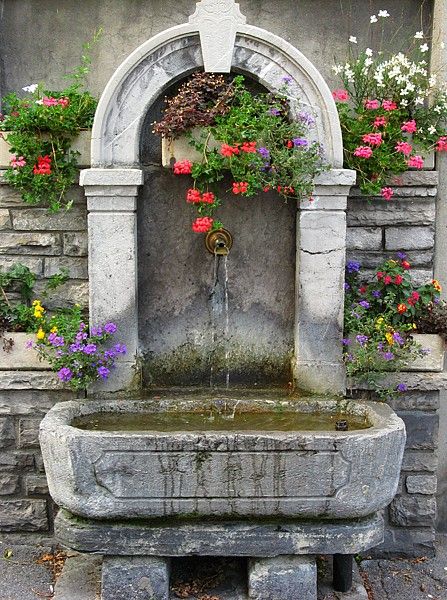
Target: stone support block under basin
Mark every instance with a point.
(282, 577)
(135, 577)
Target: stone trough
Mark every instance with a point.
(238, 491)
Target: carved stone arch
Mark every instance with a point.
(111, 185)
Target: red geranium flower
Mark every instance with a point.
(202, 224)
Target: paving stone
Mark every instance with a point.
(282, 577)
(136, 577)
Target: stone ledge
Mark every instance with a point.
(30, 380)
(225, 538)
(414, 381)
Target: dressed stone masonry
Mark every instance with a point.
(117, 130)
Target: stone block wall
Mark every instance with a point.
(44, 242)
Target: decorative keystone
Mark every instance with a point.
(217, 22)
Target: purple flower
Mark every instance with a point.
(402, 387)
(398, 338)
(376, 293)
(353, 266)
(300, 142)
(75, 347)
(96, 331)
(362, 339)
(306, 118)
(346, 286)
(388, 355)
(82, 326)
(264, 152)
(364, 303)
(103, 372)
(110, 327)
(81, 336)
(109, 355)
(120, 348)
(401, 255)
(436, 300)
(380, 346)
(89, 349)
(346, 341)
(349, 357)
(287, 79)
(56, 340)
(29, 344)
(65, 374)
(274, 111)
(356, 314)
(425, 350)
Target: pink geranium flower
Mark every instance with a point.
(363, 152)
(340, 95)
(409, 126)
(389, 105)
(49, 101)
(379, 122)
(387, 193)
(375, 139)
(403, 147)
(416, 161)
(441, 144)
(17, 161)
(372, 104)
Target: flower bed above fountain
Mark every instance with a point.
(222, 458)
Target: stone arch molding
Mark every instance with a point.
(218, 39)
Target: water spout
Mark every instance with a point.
(219, 242)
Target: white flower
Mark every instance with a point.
(437, 108)
(368, 52)
(442, 45)
(337, 69)
(383, 13)
(368, 62)
(432, 129)
(404, 102)
(39, 101)
(419, 35)
(353, 39)
(373, 19)
(30, 88)
(419, 100)
(423, 47)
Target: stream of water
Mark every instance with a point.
(220, 321)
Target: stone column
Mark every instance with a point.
(321, 250)
(112, 236)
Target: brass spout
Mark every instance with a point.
(219, 242)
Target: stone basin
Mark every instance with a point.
(151, 473)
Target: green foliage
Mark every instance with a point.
(379, 319)
(382, 93)
(42, 126)
(260, 144)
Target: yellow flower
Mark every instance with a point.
(36, 302)
(40, 334)
(389, 338)
(379, 323)
(414, 326)
(38, 312)
(437, 285)
(53, 330)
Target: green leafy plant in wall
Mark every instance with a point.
(254, 138)
(41, 128)
(392, 109)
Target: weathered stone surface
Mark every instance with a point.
(9, 196)
(36, 485)
(419, 461)
(5, 219)
(434, 359)
(136, 577)
(19, 356)
(269, 473)
(77, 267)
(416, 401)
(29, 380)
(75, 243)
(221, 538)
(34, 264)
(371, 259)
(421, 484)
(364, 238)
(406, 542)
(23, 515)
(418, 276)
(409, 238)
(9, 484)
(422, 430)
(7, 435)
(31, 403)
(70, 293)
(11, 462)
(39, 219)
(30, 243)
(282, 577)
(416, 178)
(374, 213)
(28, 433)
(413, 510)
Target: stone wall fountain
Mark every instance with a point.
(254, 474)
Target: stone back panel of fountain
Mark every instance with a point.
(186, 335)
